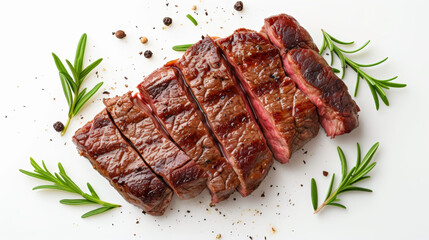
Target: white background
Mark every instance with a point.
(32, 100)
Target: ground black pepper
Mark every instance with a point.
(58, 126)
(148, 54)
(120, 34)
(167, 21)
(238, 6)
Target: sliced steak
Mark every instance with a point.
(135, 122)
(179, 115)
(227, 113)
(101, 142)
(338, 112)
(276, 101)
(286, 33)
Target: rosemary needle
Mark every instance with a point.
(349, 178)
(71, 83)
(376, 86)
(189, 16)
(182, 48)
(61, 181)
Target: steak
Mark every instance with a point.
(101, 142)
(227, 112)
(275, 100)
(338, 112)
(134, 120)
(179, 115)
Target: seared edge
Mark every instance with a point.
(286, 33)
(102, 144)
(314, 77)
(259, 68)
(136, 123)
(338, 112)
(208, 76)
(179, 116)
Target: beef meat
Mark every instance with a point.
(101, 142)
(276, 101)
(286, 33)
(136, 123)
(227, 112)
(338, 112)
(180, 116)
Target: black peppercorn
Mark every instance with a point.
(58, 126)
(120, 34)
(167, 21)
(238, 6)
(148, 54)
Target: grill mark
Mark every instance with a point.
(215, 97)
(189, 140)
(264, 88)
(157, 89)
(248, 154)
(128, 141)
(171, 112)
(225, 128)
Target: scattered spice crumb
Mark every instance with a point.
(58, 126)
(148, 54)
(106, 92)
(273, 230)
(126, 85)
(218, 236)
(167, 21)
(140, 53)
(325, 173)
(143, 40)
(194, 7)
(120, 34)
(238, 6)
(304, 161)
(142, 212)
(263, 194)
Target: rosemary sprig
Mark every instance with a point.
(61, 181)
(356, 174)
(71, 83)
(189, 16)
(376, 86)
(182, 48)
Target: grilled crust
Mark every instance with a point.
(136, 123)
(179, 115)
(338, 112)
(229, 116)
(280, 107)
(102, 144)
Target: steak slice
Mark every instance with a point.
(286, 33)
(275, 100)
(338, 112)
(179, 115)
(101, 142)
(134, 120)
(227, 112)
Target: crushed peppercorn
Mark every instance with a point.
(238, 6)
(148, 54)
(167, 21)
(58, 126)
